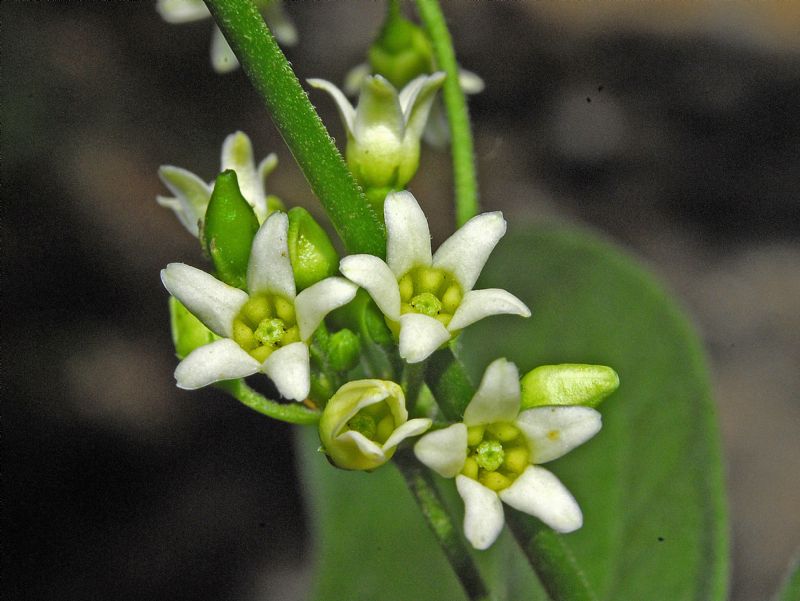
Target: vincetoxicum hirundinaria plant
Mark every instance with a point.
(366, 346)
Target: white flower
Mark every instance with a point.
(192, 193)
(223, 59)
(494, 455)
(363, 423)
(383, 132)
(265, 329)
(428, 299)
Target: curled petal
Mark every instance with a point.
(465, 252)
(555, 431)
(419, 102)
(539, 493)
(237, 154)
(374, 276)
(444, 451)
(478, 304)
(289, 370)
(346, 110)
(213, 302)
(223, 60)
(191, 192)
(220, 360)
(354, 78)
(408, 237)
(315, 302)
(378, 106)
(483, 512)
(185, 215)
(270, 269)
(413, 427)
(471, 83)
(371, 451)
(182, 11)
(497, 397)
(420, 336)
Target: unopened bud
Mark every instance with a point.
(568, 384)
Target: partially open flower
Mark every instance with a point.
(192, 193)
(494, 455)
(426, 299)
(363, 423)
(263, 329)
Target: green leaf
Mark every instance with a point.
(650, 483)
(652, 473)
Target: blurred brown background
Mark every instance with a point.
(671, 127)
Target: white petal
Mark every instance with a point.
(365, 445)
(470, 83)
(539, 493)
(354, 78)
(315, 302)
(413, 427)
(182, 11)
(270, 269)
(378, 106)
(465, 252)
(346, 110)
(288, 368)
(408, 237)
(280, 24)
(267, 166)
(237, 154)
(420, 336)
(213, 302)
(444, 451)
(437, 129)
(478, 304)
(483, 512)
(419, 104)
(223, 60)
(497, 397)
(374, 276)
(191, 191)
(186, 217)
(220, 360)
(555, 431)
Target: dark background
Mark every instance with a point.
(673, 129)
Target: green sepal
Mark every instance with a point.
(344, 350)
(188, 332)
(402, 50)
(568, 384)
(228, 230)
(311, 251)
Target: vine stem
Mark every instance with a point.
(465, 179)
(420, 483)
(294, 413)
(298, 123)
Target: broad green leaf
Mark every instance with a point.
(650, 483)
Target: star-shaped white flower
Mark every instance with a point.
(428, 299)
(223, 59)
(265, 329)
(494, 456)
(192, 193)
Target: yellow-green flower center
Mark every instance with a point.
(265, 323)
(375, 422)
(429, 291)
(496, 455)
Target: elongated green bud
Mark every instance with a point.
(228, 230)
(568, 384)
(401, 52)
(188, 332)
(311, 251)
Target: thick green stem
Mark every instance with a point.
(421, 484)
(548, 554)
(301, 128)
(466, 183)
(294, 413)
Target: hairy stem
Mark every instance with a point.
(297, 121)
(294, 413)
(466, 183)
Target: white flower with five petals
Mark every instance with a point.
(427, 299)
(494, 456)
(192, 193)
(265, 329)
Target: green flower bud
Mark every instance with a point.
(188, 332)
(311, 251)
(402, 50)
(568, 384)
(363, 423)
(228, 230)
(344, 350)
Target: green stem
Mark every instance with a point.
(547, 553)
(421, 484)
(294, 413)
(413, 378)
(466, 183)
(297, 121)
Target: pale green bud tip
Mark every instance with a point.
(188, 332)
(568, 384)
(311, 251)
(344, 350)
